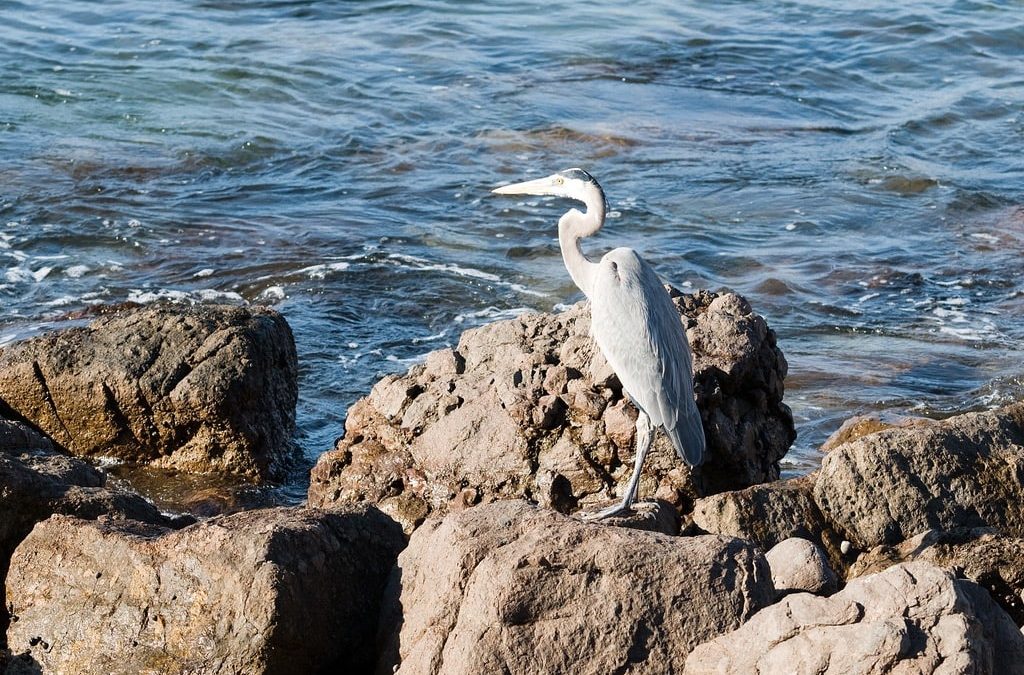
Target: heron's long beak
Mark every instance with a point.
(541, 186)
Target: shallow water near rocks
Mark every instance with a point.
(855, 173)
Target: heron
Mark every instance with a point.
(633, 322)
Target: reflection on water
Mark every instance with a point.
(854, 172)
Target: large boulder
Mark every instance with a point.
(36, 482)
(993, 561)
(203, 388)
(267, 591)
(965, 471)
(911, 618)
(514, 588)
(769, 514)
(529, 408)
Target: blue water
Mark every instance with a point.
(856, 173)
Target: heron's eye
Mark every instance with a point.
(559, 180)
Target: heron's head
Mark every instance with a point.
(572, 183)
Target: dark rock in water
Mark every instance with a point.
(204, 388)
(36, 483)
(279, 591)
(529, 408)
(913, 618)
(965, 471)
(993, 561)
(514, 588)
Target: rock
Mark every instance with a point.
(912, 618)
(280, 590)
(862, 425)
(36, 482)
(799, 565)
(991, 560)
(523, 405)
(965, 471)
(513, 588)
(202, 388)
(769, 514)
(656, 516)
(19, 437)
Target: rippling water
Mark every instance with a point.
(856, 173)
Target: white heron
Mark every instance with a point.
(635, 324)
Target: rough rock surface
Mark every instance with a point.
(514, 588)
(912, 618)
(965, 471)
(799, 565)
(197, 388)
(768, 514)
(993, 561)
(36, 482)
(268, 591)
(529, 408)
(862, 425)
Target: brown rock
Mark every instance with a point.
(993, 561)
(965, 471)
(862, 425)
(198, 388)
(35, 483)
(511, 588)
(799, 565)
(912, 618)
(769, 514)
(268, 591)
(520, 401)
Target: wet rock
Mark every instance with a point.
(769, 514)
(862, 425)
(799, 565)
(965, 471)
(202, 388)
(522, 405)
(912, 618)
(269, 591)
(991, 560)
(514, 588)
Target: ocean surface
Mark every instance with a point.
(857, 174)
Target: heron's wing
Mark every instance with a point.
(638, 329)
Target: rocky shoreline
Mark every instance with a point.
(439, 537)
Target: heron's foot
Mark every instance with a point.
(619, 510)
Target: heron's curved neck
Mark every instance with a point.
(574, 226)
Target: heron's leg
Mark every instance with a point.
(644, 435)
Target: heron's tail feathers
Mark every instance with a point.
(688, 438)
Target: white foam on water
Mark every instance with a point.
(41, 273)
(206, 272)
(430, 338)
(493, 313)
(423, 264)
(76, 271)
(144, 297)
(273, 293)
(320, 271)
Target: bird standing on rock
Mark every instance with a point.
(635, 324)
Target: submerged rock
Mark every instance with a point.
(862, 425)
(911, 618)
(965, 471)
(269, 591)
(204, 388)
(513, 588)
(529, 408)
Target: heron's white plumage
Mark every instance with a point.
(633, 322)
(640, 333)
